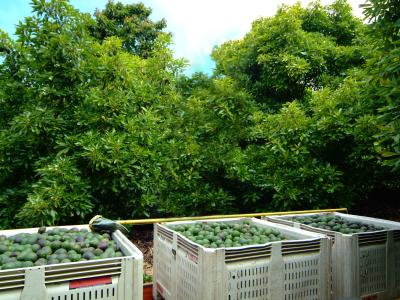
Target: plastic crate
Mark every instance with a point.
(104, 279)
(364, 265)
(297, 268)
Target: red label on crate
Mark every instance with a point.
(82, 283)
(370, 297)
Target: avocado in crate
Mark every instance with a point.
(69, 262)
(365, 252)
(239, 258)
(226, 235)
(336, 223)
(54, 246)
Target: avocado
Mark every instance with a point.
(60, 251)
(74, 256)
(103, 245)
(3, 248)
(53, 261)
(97, 252)
(61, 256)
(44, 252)
(41, 262)
(27, 255)
(42, 229)
(11, 265)
(27, 264)
(88, 255)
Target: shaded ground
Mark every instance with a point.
(142, 237)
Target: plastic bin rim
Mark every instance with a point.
(313, 236)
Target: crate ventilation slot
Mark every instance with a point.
(233, 255)
(184, 244)
(372, 238)
(165, 233)
(68, 272)
(98, 294)
(11, 279)
(249, 282)
(300, 247)
(318, 230)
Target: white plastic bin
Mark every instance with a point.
(364, 265)
(297, 268)
(104, 279)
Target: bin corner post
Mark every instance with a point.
(276, 285)
(325, 269)
(34, 287)
(208, 274)
(135, 267)
(174, 267)
(221, 280)
(350, 265)
(337, 285)
(124, 290)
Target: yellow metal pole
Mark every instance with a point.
(251, 215)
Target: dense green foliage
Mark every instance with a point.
(309, 139)
(96, 116)
(129, 22)
(296, 50)
(73, 113)
(384, 70)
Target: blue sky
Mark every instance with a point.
(197, 25)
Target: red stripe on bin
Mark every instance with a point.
(81, 283)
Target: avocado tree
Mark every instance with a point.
(310, 139)
(297, 50)
(82, 121)
(91, 124)
(131, 23)
(44, 76)
(384, 70)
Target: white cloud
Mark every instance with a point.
(197, 26)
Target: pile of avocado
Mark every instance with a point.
(58, 245)
(335, 223)
(225, 235)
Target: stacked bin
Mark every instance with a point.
(118, 278)
(364, 265)
(297, 268)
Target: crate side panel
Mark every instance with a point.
(188, 276)
(372, 269)
(248, 280)
(301, 277)
(164, 262)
